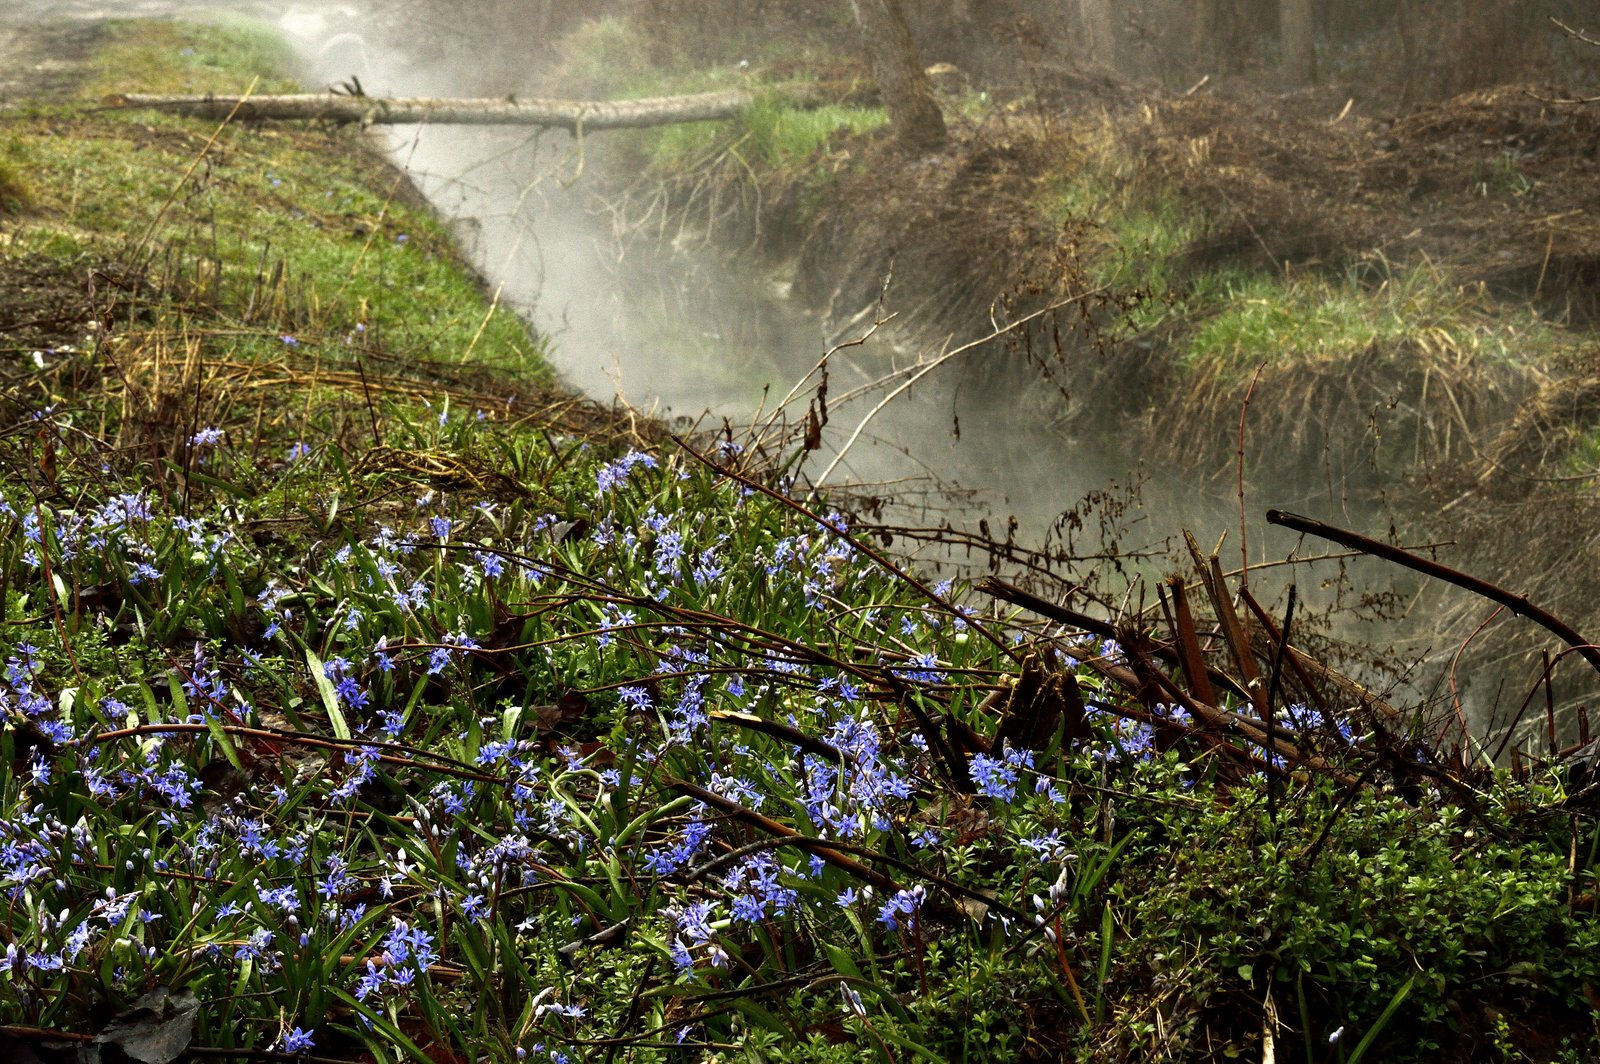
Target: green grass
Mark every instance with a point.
(1133, 241)
(769, 136)
(1246, 320)
(224, 57)
(16, 191)
(1227, 319)
(780, 135)
(312, 236)
(607, 58)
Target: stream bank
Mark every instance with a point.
(1386, 320)
(1360, 311)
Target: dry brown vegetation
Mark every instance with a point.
(1457, 198)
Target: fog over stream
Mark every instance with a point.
(682, 329)
(677, 332)
(680, 332)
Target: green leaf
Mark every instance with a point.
(510, 723)
(915, 1048)
(206, 479)
(224, 741)
(587, 897)
(841, 960)
(1107, 930)
(230, 581)
(1090, 879)
(1383, 1021)
(330, 700)
(384, 1027)
(180, 701)
(759, 1017)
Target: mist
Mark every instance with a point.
(683, 330)
(680, 332)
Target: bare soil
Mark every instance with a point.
(1497, 186)
(45, 60)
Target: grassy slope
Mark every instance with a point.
(395, 746)
(280, 232)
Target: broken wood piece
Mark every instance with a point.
(1044, 699)
(1238, 639)
(1190, 658)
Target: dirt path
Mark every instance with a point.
(44, 61)
(44, 44)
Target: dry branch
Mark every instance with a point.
(574, 115)
(1517, 604)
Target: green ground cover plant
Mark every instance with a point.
(608, 58)
(652, 759)
(1225, 320)
(420, 715)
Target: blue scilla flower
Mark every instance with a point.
(668, 551)
(994, 777)
(298, 1041)
(678, 852)
(614, 473)
(758, 889)
(902, 910)
(922, 668)
(708, 569)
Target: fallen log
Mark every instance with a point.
(575, 115)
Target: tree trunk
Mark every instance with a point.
(1297, 39)
(575, 115)
(1100, 21)
(913, 111)
(1219, 39)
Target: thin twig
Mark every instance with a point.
(1244, 550)
(1455, 691)
(1272, 702)
(924, 370)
